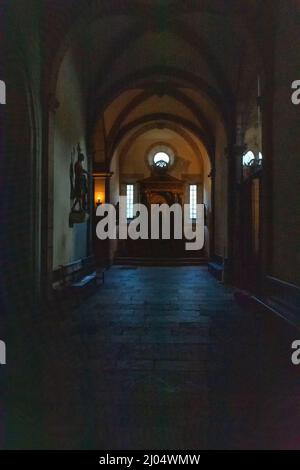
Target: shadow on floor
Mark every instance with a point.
(157, 358)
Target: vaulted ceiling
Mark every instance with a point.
(145, 61)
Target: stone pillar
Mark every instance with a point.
(234, 153)
(51, 105)
(102, 248)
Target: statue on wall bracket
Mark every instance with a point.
(79, 189)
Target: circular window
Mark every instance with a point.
(161, 159)
(160, 156)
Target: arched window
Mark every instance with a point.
(161, 159)
(161, 156)
(248, 158)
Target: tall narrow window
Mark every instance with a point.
(193, 201)
(2, 92)
(129, 201)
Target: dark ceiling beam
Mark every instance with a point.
(159, 119)
(120, 45)
(152, 125)
(196, 41)
(75, 17)
(167, 78)
(195, 109)
(125, 113)
(145, 95)
(157, 8)
(179, 29)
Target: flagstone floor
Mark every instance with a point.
(163, 358)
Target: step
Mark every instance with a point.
(138, 261)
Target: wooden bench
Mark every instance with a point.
(79, 275)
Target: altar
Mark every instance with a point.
(161, 188)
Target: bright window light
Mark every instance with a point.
(248, 158)
(161, 157)
(129, 201)
(193, 201)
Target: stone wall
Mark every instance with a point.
(69, 244)
(286, 145)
